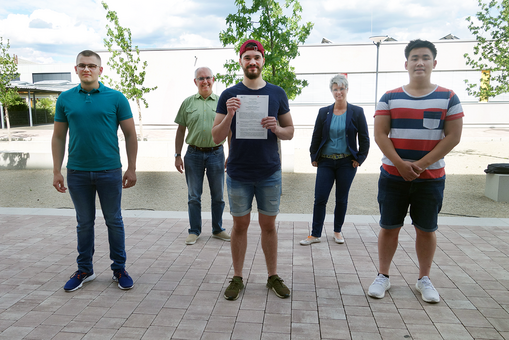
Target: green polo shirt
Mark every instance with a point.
(197, 115)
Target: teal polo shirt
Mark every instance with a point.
(93, 119)
(197, 115)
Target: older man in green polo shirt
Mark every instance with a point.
(197, 114)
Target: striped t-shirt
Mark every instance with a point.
(417, 125)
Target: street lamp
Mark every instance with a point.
(377, 40)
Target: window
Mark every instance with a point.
(37, 77)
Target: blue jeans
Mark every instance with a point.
(195, 164)
(329, 171)
(424, 198)
(83, 186)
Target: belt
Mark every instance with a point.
(336, 156)
(205, 149)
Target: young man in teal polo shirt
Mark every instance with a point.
(92, 114)
(197, 114)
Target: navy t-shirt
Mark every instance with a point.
(251, 160)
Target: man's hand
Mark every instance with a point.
(129, 179)
(270, 122)
(179, 164)
(58, 182)
(409, 171)
(232, 105)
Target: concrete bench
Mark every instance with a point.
(497, 187)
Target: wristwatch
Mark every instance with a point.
(177, 155)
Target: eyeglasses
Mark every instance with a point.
(91, 67)
(204, 78)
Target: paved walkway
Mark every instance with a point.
(178, 292)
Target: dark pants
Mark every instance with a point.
(83, 186)
(329, 171)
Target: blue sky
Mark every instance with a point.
(54, 31)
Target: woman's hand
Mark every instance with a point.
(315, 164)
(355, 163)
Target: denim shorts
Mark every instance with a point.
(266, 191)
(424, 198)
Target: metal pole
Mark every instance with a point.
(2, 115)
(29, 108)
(376, 81)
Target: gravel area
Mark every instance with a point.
(161, 188)
(167, 191)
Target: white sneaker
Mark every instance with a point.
(379, 286)
(309, 240)
(428, 292)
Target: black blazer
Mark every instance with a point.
(356, 129)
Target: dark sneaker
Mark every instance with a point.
(123, 279)
(232, 292)
(77, 280)
(275, 283)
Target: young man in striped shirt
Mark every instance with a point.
(416, 125)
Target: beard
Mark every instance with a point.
(252, 75)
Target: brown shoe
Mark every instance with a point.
(191, 239)
(275, 283)
(222, 236)
(233, 291)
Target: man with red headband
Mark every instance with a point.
(254, 166)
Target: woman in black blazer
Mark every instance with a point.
(340, 144)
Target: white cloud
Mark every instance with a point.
(56, 30)
(194, 40)
(34, 55)
(64, 29)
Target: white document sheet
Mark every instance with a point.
(249, 116)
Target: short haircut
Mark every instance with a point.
(338, 79)
(418, 43)
(199, 68)
(88, 53)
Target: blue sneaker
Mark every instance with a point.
(123, 279)
(77, 280)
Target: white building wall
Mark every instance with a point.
(26, 70)
(172, 70)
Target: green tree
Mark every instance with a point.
(125, 62)
(491, 54)
(47, 104)
(47, 107)
(8, 72)
(280, 35)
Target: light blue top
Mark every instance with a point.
(93, 119)
(337, 137)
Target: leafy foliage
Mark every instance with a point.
(491, 53)
(18, 104)
(47, 104)
(8, 72)
(280, 35)
(125, 61)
